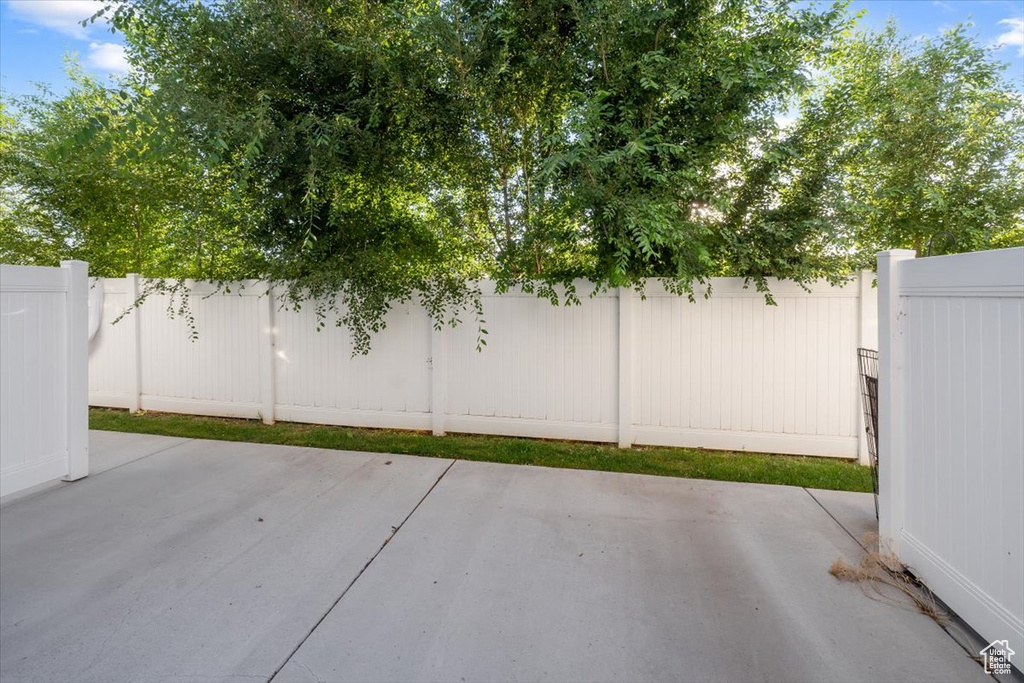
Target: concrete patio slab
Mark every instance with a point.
(107, 450)
(521, 574)
(207, 561)
(159, 568)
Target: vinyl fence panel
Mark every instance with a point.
(318, 380)
(113, 353)
(731, 372)
(43, 375)
(215, 373)
(545, 371)
(951, 430)
(725, 372)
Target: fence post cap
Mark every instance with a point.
(897, 253)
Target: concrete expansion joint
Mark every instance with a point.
(394, 531)
(856, 540)
(218, 677)
(148, 455)
(18, 499)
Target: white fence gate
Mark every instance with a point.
(951, 430)
(44, 347)
(727, 372)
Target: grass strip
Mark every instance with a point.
(787, 470)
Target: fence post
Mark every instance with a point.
(625, 388)
(438, 377)
(891, 404)
(867, 338)
(77, 278)
(134, 345)
(267, 332)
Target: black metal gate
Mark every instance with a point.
(869, 395)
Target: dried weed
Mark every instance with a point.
(883, 577)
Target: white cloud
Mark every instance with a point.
(944, 5)
(1014, 37)
(64, 16)
(60, 15)
(108, 57)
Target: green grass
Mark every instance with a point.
(814, 472)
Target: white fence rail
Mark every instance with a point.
(43, 364)
(727, 372)
(951, 430)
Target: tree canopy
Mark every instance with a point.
(914, 144)
(365, 152)
(85, 176)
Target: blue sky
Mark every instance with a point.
(35, 35)
(996, 22)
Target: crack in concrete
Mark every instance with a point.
(124, 619)
(394, 531)
(311, 672)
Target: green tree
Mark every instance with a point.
(600, 134)
(509, 70)
(401, 148)
(85, 176)
(675, 97)
(335, 120)
(903, 144)
(361, 153)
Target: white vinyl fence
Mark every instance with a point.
(727, 372)
(43, 365)
(951, 430)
